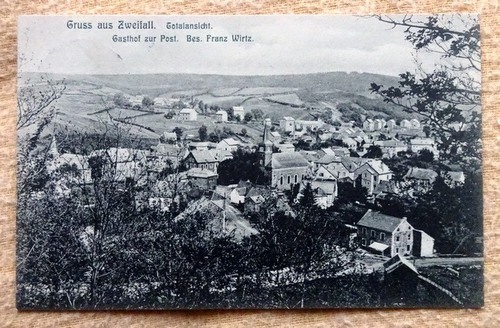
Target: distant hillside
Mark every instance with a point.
(156, 84)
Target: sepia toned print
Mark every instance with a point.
(244, 162)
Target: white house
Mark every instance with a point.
(228, 144)
(405, 124)
(419, 144)
(391, 124)
(188, 114)
(287, 124)
(239, 111)
(415, 124)
(221, 116)
(368, 125)
(371, 173)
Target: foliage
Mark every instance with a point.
(202, 133)
(147, 102)
(244, 166)
(373, 152)
(447, 98)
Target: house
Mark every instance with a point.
(311, 125)
(239, 111)
(391, 124)
(419, 178)
(378, 124)
(325, 137)
(368, 125)
(202, 178)
(423, 244)
(415, 124)
(170, 137)
(255, 198)
(350, 143)
(221, 155)
(454, 178)
(221, 116)
(371, 173)
(223, 219)
(324, 172)
(326, 160)
(386, 235)
(287, 124)
(188, 114)
(228, 144)
(274, 136)
(237, 195)
(287, 169)
(390, 148)
(405, 124)
(418, 144)
(325, 192)
(201, 159)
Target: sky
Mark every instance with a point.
(282, 45)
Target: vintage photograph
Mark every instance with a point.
(221, 162)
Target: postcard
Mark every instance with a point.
(222, 162)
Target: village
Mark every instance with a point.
(188, 173)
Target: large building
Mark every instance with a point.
(286, 169)
(188, 114)
(391, 236)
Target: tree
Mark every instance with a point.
(257, 113)
(425, 155)
(202, 132)
(147, 102)
(373, 152)
(178, 131)
(427, 131)
(248, 117)
(120, 100)
(448, 98)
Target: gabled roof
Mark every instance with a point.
(379, 167)
(187, 111)
(230, 142)
(327, 159)
(421, 174)
(379, 221)
(396, 262)
(203, 156)
(325, 187)
(309, 155)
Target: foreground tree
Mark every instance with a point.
(447, 98)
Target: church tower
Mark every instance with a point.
(266, 147)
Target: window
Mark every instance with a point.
(409, 235)
(382, 236)
(397, 238)
(281, 180)
(397, 250)
(407, 248)
(363, 231)
(296, 178)
(288, 179)
(373, 233)
(321, 174)
(363, 241)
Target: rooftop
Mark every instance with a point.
(379, 221)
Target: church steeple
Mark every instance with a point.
(267, 145)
